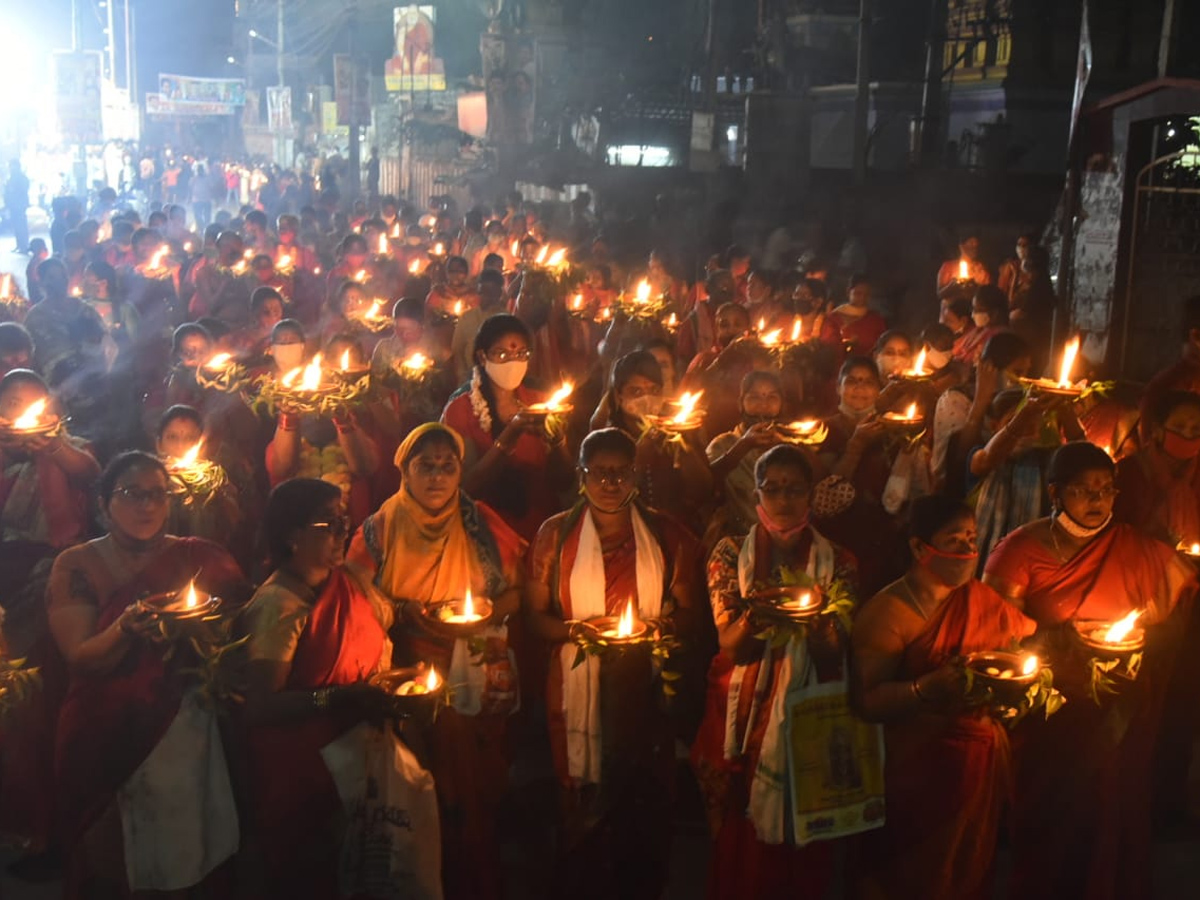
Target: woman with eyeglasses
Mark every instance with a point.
(316, 633)
(946, 761)
(740, 754)
(612, 744)
(511, 462)
(1081, 816)
(672, 476)
(428, 543)
(143, 791)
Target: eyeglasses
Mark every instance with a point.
(610, 477)
(151, 497)
(790, 491)
(503, 356)
(338, 527)
(1079, 492)
(430, 470)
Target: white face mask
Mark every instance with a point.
(507, 375)
(938, 359)
(640, 407)
(288, 356)
(981, 319)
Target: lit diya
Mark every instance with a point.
(919, 371)
(465, 617)
(1063, 387)
(414, 367)
(412, 682)
(622, 629)
(37, 420)
(688, 418)
(1192, 549)
(555, 404)
(1003, 668)
(348, 370)
(186, 603)
(964, 270)
(805, 431)
(360, 276)
(1113, 638)
(414, 267)
(375, 319)
(7, 290)
(792, 603)
(221, 372)
(641, 305)
(154, 267)
(384, 247)
(576, 306)
(911, 417)
(671, 323)
(285, 264)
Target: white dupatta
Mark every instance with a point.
(581, 684)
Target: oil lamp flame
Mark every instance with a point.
(31, 418)
(797, 325)
(964, 270)
(560, 395)
(157, 258)
(557, 257)
(309, 376)
(414, 267)
(360, 276)
(189, 459)
(284, 261)
(417, 362)
(432, 681)
(540, 259)
(771, 338)
(468, 606)
(1031, 665)
(457, 311)
(919, 366)
(191, 601)
(439, 249)
(577, 302)
(804, 600)
(345, 365)
(219, 361)
(625, 623)
(910, 414)
(687, 406)
(383, 245)
(6, 287)
(376, 311)
(1195, 549)
(1121, 628)
(1068, 362)
(672, 321)
(643, 291)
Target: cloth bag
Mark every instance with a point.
(835, 761)
(392, 848)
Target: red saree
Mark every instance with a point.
(1081, 814)
(109, 725)
(294, 796)
(947, 778)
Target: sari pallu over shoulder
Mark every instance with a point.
(109, 724)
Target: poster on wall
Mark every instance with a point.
(77, 97)
(413, 67)
(350, 91)
(279, 109)
(510, 79)
(181, 89)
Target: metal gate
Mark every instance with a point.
(1164, 262)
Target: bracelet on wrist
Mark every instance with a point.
(288, 421)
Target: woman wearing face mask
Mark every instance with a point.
(1160, 485)
(673, 478)
(741, 739)
(1082, 807)
(143, 790)
(1006, 476)
(945, 763)
(893, 353)
(612, 745)
(429, 543)
(511, 463)
(989, 316)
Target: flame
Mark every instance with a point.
(376, 310)
(762, 326)
(309, 376)
(432, 682)
(516, 249)
(1195, 551)
(805, 426)
(560, 395)
(346, 360)
(1068, 362)
(457, 311)
(248, 255)
(672, 321)
(284, 261)
(414, 267)
(417, 362)
(643, 291)
(468, 606)
(192, 601)
(919, 366)
(31, 418)
(219, 361)
(910, 414)
(1107, 448)
(383, 245)
(577, 302)
(1032, 664)
(687, 406)
(797, 326)
(439, 249)
(239, 267)
(189, 459)
(606, 313)
(157, 258)
(1121, 629)
(540, 259)
(76, 291)
(396, 230)
(316, 270)
(625, 623)
(771, 338)
(6, 286)
(964, 270)
(557, 257)
(805, 600)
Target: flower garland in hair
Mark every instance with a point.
(479, 404)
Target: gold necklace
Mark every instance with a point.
(912, 595)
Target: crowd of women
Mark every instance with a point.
(641, 570)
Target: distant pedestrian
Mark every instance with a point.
(16, 201)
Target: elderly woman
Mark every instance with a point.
(429, 543)
(740, 753)
(510, 462)
(143, 790)
(673, 478)
(946, 763)
(316, 632)
(1083, 829)
(611, 742)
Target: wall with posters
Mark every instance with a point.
(413, 66)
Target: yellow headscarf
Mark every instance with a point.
(427, 557)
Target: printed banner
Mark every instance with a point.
(77, 98)
(158, 105)
(279, 109)
(186, 89)
(414, 67)
(510, 76)
(350, 91)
